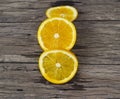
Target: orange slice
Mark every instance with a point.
(56, 33)
(58, 66)
(67, 12)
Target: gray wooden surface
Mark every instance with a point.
(97, 49)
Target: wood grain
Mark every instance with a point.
(24, 11)
(91, 81)
(97, 49)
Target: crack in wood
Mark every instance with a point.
(20, 90)
(59, 3)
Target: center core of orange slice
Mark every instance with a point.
(58, 65)
(62, 15)
(56, 35)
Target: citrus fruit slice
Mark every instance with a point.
(67, 12)
(56, 33)
(58, 66)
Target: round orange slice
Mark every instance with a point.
(58, 66)
(67, 12)
(56, 33)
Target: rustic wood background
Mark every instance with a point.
(97, 49)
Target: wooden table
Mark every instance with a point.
(97, 49)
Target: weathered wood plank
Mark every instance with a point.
(91, 82)
(64, 1)
(35, 11)
(97, 42)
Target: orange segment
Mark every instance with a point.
(56, 33)
(67, 12)
(58, 66)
